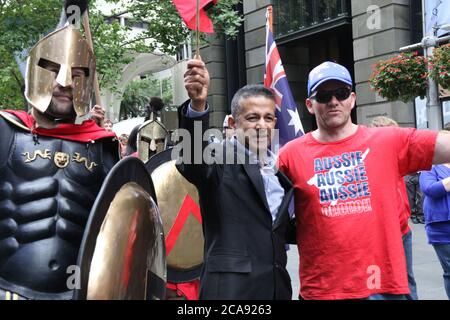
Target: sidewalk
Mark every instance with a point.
(427, 270)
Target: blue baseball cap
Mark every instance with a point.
(328, 71)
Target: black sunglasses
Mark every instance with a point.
(324, 96)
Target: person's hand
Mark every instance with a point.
(196, 82)
(446, 183)
(98, 114)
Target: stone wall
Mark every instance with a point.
(371, 43)
(213, 54)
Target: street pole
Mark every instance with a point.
(428, 44)
(434, 112)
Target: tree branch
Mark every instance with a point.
(117, 15)
(19, 82)
(136, 40)
(22, 89)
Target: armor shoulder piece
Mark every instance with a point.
(7, 124)
(13, 120)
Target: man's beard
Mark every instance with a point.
(53, 114)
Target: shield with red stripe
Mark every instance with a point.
(180, 212)
(122, 254)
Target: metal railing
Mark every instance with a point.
(296, 15)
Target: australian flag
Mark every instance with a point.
(288, 123)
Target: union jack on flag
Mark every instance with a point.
(288, 123)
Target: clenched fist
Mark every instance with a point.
(98, 114)
(196, 82)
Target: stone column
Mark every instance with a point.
(295, 59)
(213, 54)
(372, 42)
(255, 39)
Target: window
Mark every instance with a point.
(296, 15)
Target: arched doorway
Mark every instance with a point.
(143, 63)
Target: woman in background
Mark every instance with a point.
(435, 185)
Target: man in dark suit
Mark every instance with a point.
(243, 198)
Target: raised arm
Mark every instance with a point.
(193, 114)
(442, 149)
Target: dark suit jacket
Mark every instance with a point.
(244, 254)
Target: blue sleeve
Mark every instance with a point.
(431, 186)
(191, 113)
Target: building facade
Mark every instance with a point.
(354, 33)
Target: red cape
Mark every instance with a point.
(84, 132)
(190, 290)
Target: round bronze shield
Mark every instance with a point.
(122, 254)
(178, 203)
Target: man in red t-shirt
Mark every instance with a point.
(346, 199)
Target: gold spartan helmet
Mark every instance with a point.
(152, 139)
(67, 48)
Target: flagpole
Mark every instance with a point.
(269, 16)
(197, 54)
(275, 79)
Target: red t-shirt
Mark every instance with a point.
(403, 207)
(346, 201)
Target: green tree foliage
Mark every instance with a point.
(169, 30)
(138, 93)
(23, 22)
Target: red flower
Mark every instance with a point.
(401, 77)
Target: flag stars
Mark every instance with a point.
(295, 120)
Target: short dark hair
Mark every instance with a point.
(447, 126)
(250, 90)
(156, 103)
(132, 141)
